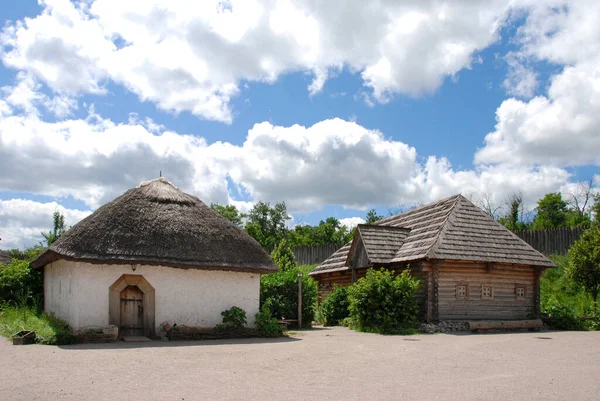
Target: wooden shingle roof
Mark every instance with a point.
(454, 229)
(381, 242)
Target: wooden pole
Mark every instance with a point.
(300, 300)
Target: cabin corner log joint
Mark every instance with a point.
(471, 267)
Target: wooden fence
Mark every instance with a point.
(549, 242)
(553, 241)
(314, 254)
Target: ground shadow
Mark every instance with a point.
(182, 343)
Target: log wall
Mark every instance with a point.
(502, 278)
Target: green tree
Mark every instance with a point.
(372, 216)
(230, 212)
(595, 208)
(283, 256)
(58, 229)
(551, 212)
(584, 268)
(513, 220)
(267, 225)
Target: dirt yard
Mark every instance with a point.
(324, 364)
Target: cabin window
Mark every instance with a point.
(520, 292)
(461, 291)
(487, 292)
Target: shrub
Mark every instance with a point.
(266, 324)
(382, 303)
(234, 319)
(19, 284)
(335, 308)
(279, 291)
(561, 317)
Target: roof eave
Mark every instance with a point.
(50, 256)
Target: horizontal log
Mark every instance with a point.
(505, 324)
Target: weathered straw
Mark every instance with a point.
(158, 224)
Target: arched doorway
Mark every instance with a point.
(131, 306)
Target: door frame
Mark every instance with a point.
(114, 301)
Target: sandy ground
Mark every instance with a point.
(325, 364)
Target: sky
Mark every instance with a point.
(333, 107)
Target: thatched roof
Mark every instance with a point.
(158, 224)
(453, 229)
(4, 258)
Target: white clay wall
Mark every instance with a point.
(78, 293)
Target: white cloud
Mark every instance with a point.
(351, 222)
(521, 80)
(560, 128)
(193, 56)
(22, 221)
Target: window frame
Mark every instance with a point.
(487, 297)
(463, 297)
(517, 288)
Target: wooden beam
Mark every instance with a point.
(505, 324)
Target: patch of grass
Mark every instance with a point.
(48, 329)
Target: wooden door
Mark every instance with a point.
(132, 312)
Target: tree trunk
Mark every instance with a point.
(594, 298)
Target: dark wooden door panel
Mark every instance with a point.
(132, 312)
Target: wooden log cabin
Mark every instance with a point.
(470, 266)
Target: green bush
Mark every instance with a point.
(234, 319)
(561, 317)
(48, 328)
(19, 284)
(383, 303)
(279, 291)
(266, 324)
(557, 290)
(335, 308)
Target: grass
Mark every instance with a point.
(557, 289)
(48, 329)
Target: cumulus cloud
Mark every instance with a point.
(331, 162)
(560, 128)
(22, 221)
(193, 56)
(351, 222)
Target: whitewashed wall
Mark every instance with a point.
(78, 293)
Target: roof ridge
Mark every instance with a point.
(444, 227)
(417, 209)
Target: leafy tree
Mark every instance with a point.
(584, 268)
(230, 212)
(595, 208)
(267, 224)
(29, 254)
(57, 230)
(283, 256)
(551, 212)
(19, 283)
(372, 216)
(328, 231)
(513, 220)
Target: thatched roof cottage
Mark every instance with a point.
(154, 254)
(4, 258)
(472, 268)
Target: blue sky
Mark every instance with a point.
(418, 103)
